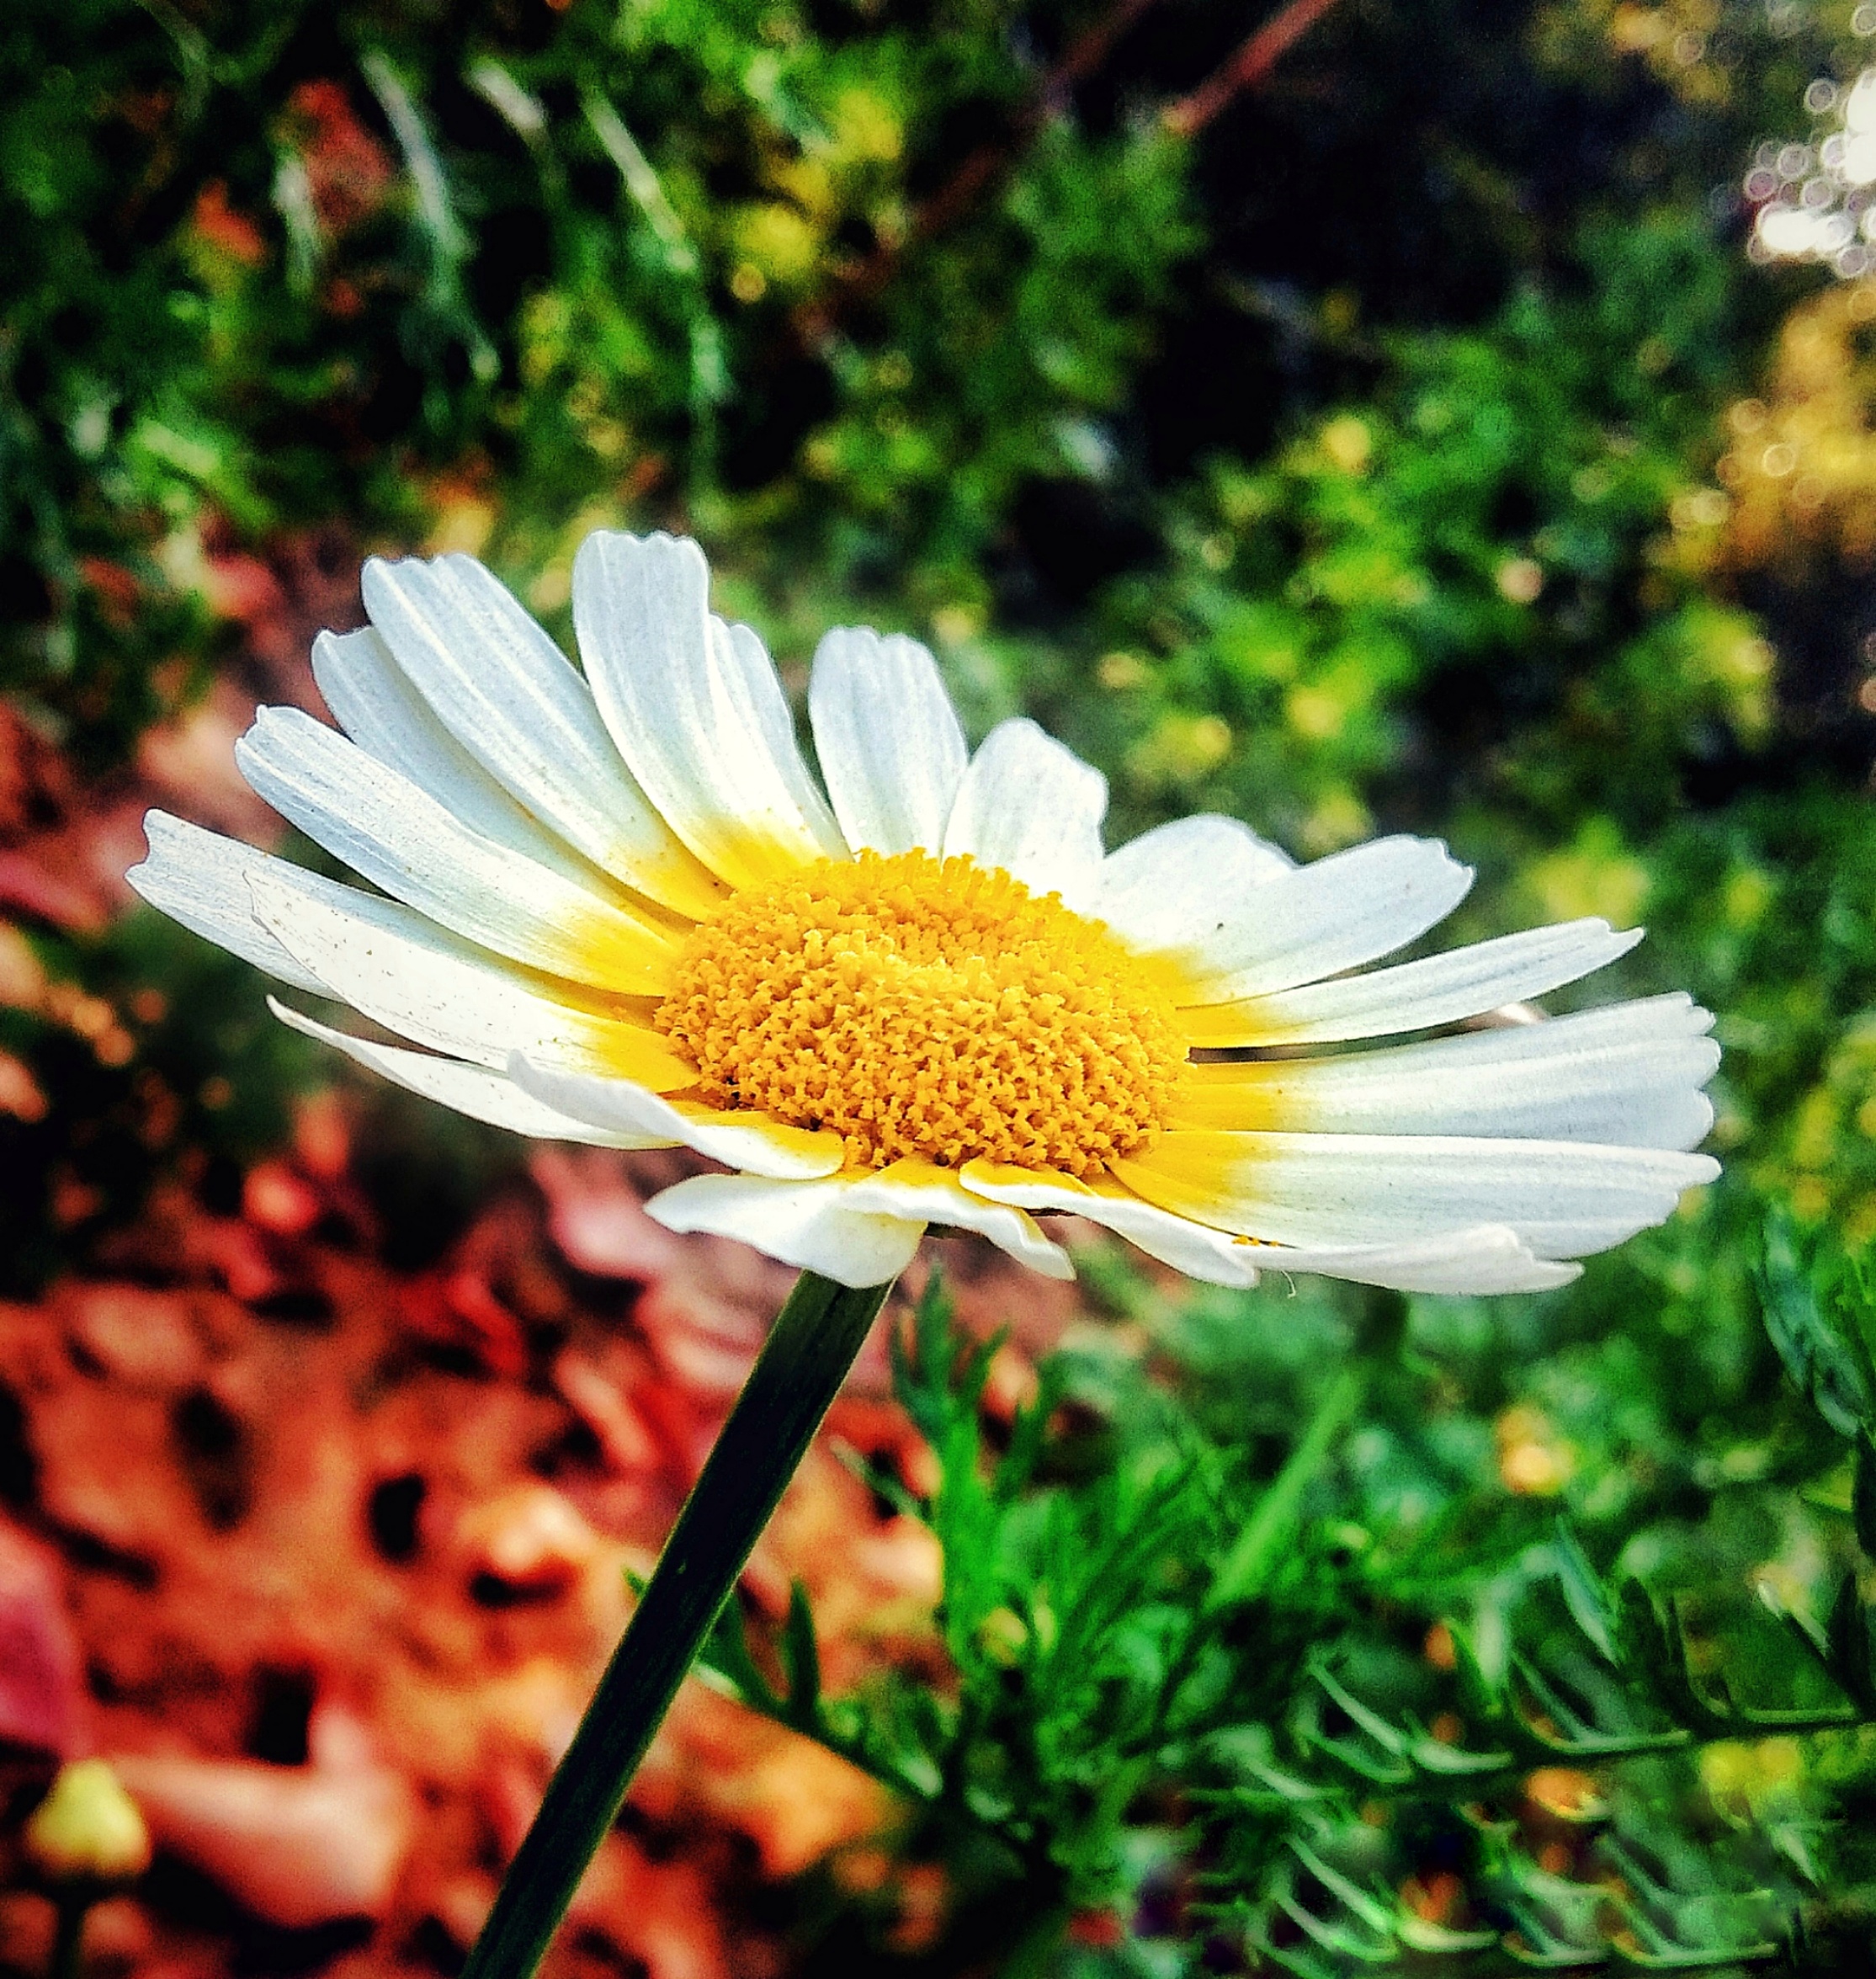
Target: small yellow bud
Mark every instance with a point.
(1002, 1636)
(87, 1828)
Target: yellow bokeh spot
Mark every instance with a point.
(465, 522)
(867, 127)
(1179, 749)
(1815, 1139)
(1121, 672)
(1801, 472)
(1349, 443)
(1315, 711)
(925, 1007)
(1337, 818)
(953, 624)
(1533, 1461)
(778, 243)
(1748, 893)
(1596, 875)
(1810, 1198)
(1743, 1776)
(1566, 1792)
(553, 587)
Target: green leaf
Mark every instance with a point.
(1657, 1655)
(1846, 1631)
(1028, 1435)
(1378, 1917)
(1582, 1591)
(725, 1656)
(1452, 1761)
(1830, 1362)
(1417, 1934)
(801, 1662)
(1862, 1493)
(1246, 1568)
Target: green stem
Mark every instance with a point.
(796, 1377)
(1273, 1525)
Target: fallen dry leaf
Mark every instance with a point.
(344, 1550)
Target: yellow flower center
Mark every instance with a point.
(928, 1007)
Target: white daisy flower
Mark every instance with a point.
(616, 907)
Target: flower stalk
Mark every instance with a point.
(67, 1960)
(806, 1356)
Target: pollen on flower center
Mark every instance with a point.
(924, 1007)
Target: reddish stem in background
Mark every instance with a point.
(983, 166)
(1245, 69)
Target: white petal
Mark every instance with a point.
(200, 879)
(1032, 807)
(400, 839)
(1172, 886)
(1480, 1260)
(1486, 1259)
(469, 1089)
(512, 700)
(761, 685)
(890, 746)
(747, 1141)
(1563, 1199)
(405, 973)
(806, 1224)
(1419, 996)
(1336, 914)
(376, 704)
(1200, 1253)
(696, 708)
(931, 1194)
(1628, 1075)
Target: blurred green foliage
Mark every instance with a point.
(1390, 452)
